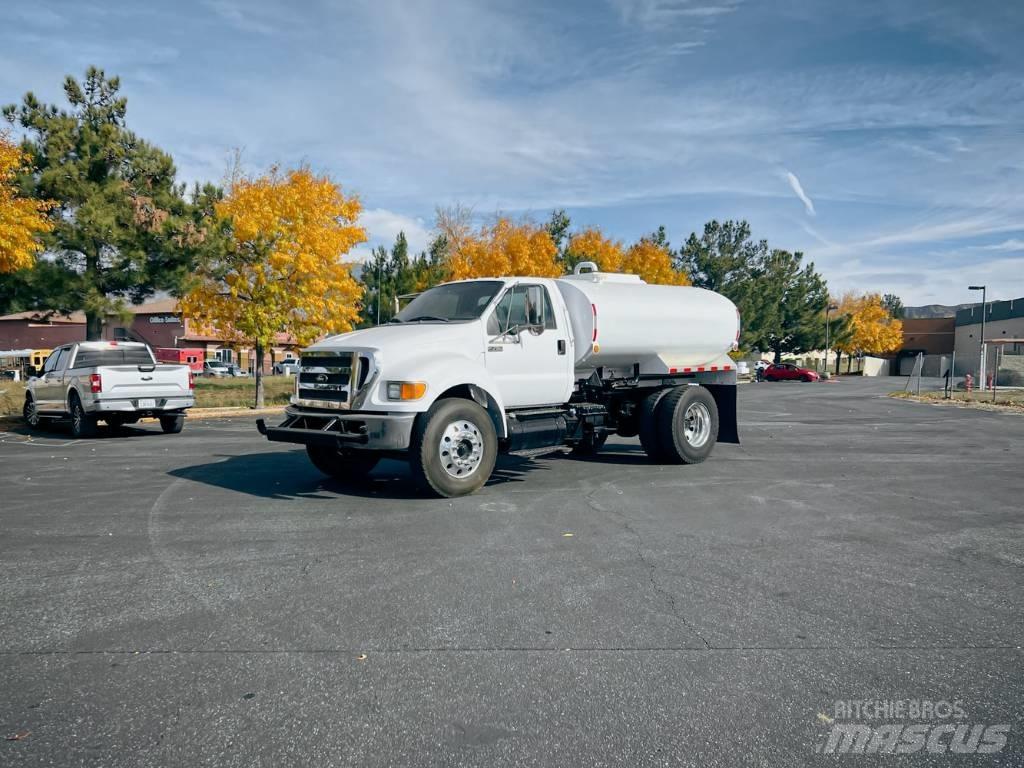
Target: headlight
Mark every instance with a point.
(406, 390)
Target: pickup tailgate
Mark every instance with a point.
(123, 382)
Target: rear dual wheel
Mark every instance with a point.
(679, 425)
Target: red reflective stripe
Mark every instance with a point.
(714, 367)
(687, 370)
(593, 308)
(700, 368)
(726, 367)
(671, 370)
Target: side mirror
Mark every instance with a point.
(31, 372)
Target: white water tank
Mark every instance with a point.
(618, 320)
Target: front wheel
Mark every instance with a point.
(31, 413)
(454, 447)
(172, 425)
(346, 466)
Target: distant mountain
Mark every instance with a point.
(933, 310)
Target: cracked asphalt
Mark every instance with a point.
(210, 599)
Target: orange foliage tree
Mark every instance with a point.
(22, 220)
(502, 248)
(870, 329)
(280, 270)
(646, 258)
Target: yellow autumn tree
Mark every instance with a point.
(870, 329)
(646, 258)
(591, 245)
(653, 263)
(503, 248)
(280, 269)
(22, 220)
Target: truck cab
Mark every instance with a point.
(473, 368)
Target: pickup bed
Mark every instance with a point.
(117, 382)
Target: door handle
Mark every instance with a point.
(561, 346)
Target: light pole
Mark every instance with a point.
(830, 308)
(981, 367)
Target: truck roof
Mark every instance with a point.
(109, 344)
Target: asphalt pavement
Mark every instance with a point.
(209, 598)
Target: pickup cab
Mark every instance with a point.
(113, 381)
(522, 365)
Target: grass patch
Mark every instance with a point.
(232, 393)
(1010, 399)
(210, 393)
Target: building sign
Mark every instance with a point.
(164, 319)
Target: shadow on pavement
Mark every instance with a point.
(61, 430)
(284, 475)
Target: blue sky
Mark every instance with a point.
(885, 139)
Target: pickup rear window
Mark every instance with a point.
(90, 358)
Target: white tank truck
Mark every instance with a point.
(521, 365)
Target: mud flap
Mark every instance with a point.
(725, 399)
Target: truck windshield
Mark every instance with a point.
(451, 302)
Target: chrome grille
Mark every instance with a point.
(326, 377)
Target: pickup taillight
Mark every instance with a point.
(191, 380)
(95, 383)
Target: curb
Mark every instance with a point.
(198, 414)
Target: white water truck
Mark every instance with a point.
(520, 365)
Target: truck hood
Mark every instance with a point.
(466, 338)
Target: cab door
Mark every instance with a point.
(528, 350)
(49, 390)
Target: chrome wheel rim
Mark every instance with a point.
(461, 448)
(76, 417)
(31, 413)
(697, 425)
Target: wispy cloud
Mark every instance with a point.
(1012, 245)
(798, 190)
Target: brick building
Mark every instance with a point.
(40, 330)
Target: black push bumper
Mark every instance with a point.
(368, 431)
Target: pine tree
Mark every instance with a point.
(123, 228)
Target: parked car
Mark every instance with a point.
(215, 368)
(520, 365)
(235, 371)
(789, 372)
(113, 381)
(289, 366)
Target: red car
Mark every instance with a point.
(789, 372)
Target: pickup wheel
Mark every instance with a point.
(31, 413)
(454, 447)
(346, 466)
(172, 425)
(688, 424)
(648, 426)
(83, 425)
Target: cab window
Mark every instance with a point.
(522, 305)
(54, 360)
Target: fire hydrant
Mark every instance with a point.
(968, 383)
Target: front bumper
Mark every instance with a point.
(346, 429)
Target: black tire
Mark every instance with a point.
(471, 448)
(590, 444)
(687, 424)
(31, 414)
(345, 466)
(172, 425)
(648, 426)
(83, 425)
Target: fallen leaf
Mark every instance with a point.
(361, 657)
(825, 718)
(568, 535)
(19, 736)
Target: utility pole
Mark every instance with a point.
(981, 367)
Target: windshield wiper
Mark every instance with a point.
(427, 317)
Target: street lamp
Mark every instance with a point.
(981, 368)
(830, 308)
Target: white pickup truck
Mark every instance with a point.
(521, 365)
(116, 381)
